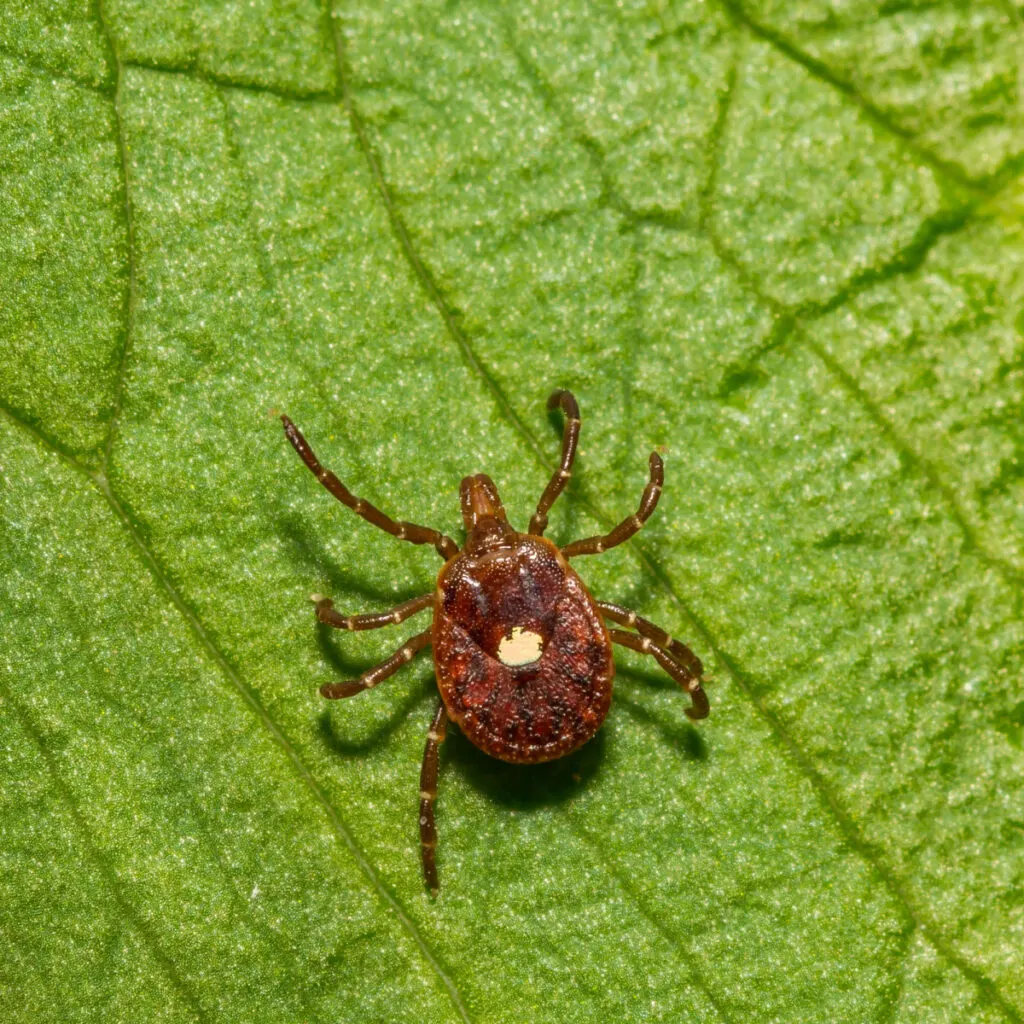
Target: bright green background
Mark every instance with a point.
(781, 240)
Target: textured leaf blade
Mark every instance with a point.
(736, 243)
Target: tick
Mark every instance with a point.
(522, 655)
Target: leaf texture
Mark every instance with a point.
(779, 242)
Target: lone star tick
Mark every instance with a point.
(522, 655)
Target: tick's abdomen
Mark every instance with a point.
(523, 658)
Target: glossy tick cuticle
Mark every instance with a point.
(522, 655)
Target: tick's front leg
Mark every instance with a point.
(635, 522)
(570, 438)
(445, 546)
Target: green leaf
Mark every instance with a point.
(781, 242)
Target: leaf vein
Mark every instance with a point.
(252, 701)
(823, 73)
(717, 136)
(190, 71)
(110, 876)
(872, 857)
(130, 299)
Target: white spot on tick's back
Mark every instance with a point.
(520, 647)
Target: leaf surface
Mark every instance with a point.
(780, 243)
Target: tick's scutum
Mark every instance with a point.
(522, 655)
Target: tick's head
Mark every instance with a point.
(486, 524)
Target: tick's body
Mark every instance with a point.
(522, 655)
(523, 658)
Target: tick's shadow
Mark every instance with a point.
(517, 786)
(310, 553)
(675, 729)
(331, 728)
(526, 786)
(347, 667)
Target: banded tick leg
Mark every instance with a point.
(679, 651)
(570, 438)
(377, 674)
(625, 529)
(445, 546)
(682, 671)
(375, 620)
(428, 794)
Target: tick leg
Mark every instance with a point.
(679, 651)
(325, 613)
(625, 529)
(680, 673)
(428, 794)
(446, 547)
(570, 438)
(377, 674)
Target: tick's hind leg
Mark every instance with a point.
(679, 651)
(428, 794)
(325, 613)
(445, 546)
(625, 529)
(678, 672)
(570, 438)
(377, 674)
(674, 657)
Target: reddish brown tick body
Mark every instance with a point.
(522, 654)
(502, 583)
